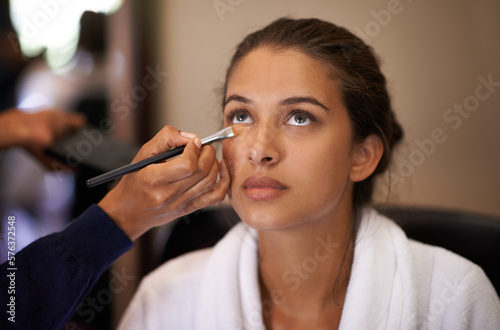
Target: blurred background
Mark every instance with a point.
(144, 64)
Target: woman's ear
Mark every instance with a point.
(365, 158)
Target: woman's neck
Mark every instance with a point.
(304, 271)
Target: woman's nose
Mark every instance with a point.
(262, 147)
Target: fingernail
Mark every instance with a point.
(197, 141)
(188, 135)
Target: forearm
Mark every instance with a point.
(56, 272)
(13, 132)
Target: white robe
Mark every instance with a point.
(395, 283)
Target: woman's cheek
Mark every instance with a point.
(229, 156)
(228, 153)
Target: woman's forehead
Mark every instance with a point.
(264, 71)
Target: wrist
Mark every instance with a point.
(119, 216)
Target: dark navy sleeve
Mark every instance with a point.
(55, 273)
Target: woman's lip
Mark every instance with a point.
(262, 188)
(263, 182)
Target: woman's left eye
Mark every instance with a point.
(300, 119)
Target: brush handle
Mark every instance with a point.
(121, 171)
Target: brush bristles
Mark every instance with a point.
(238, 129)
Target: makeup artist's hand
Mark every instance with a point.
(162, 192)
(35, 131)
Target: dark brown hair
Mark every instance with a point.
(354, 67)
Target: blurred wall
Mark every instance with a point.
(435, 55)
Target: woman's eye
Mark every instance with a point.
(241, 117)
(299, 119)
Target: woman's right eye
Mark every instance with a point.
(240, 117)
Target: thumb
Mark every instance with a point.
(167, 138)
(192, 151)
(183, 166)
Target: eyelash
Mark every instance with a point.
(232, 113)
(302, 112)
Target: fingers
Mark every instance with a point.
(205, 193)
(75, 121)
(206, 178)
(65, 121)
(45, 127)
(214, 195)
(189, 182)
(62, 122)
(162, 192)
(166, 139)
(190, 164)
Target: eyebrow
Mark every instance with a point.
(287, 101)
(297, 100)
(238, 98)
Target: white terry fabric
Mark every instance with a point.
(395, 283)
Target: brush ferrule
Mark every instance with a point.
(218, 136)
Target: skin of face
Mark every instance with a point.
(291, 166)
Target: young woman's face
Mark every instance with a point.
(291, 165)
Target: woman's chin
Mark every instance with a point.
(265, 222)
(266, 215)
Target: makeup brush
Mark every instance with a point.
(228, 132)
